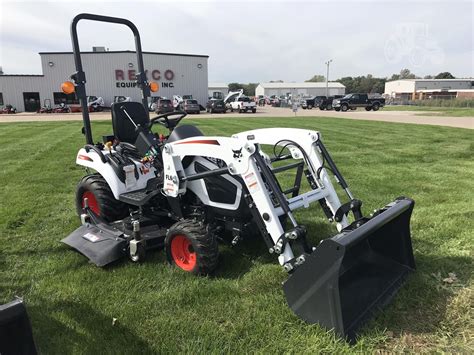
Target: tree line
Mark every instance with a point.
(370, 84)
(366, 83)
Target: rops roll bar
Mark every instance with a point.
(79, 76)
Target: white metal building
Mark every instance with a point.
(108, 74)
(300, 89)
(217, 89)
(411, 89)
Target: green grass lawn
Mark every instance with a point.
(241, 308)
(434, 111)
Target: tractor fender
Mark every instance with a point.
(93, 161)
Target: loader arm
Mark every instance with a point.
(243, 157)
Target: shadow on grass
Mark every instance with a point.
(422, 303)
(69, 326)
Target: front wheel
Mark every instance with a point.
(344, 108)
(254, 110)
(191, 247)
(310, 107)
(368, 108)
(337, 109)
(328, 107)
(376, 107)
(321, 108)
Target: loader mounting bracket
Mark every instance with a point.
(353, 205)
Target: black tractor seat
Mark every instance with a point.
(124, 129)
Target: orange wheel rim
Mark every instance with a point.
(183, 253)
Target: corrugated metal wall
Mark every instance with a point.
(190, 76)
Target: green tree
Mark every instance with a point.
(235, 86)
(316, 79)
(445, 75)
(406, 74)
(428, 77)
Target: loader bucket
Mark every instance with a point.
(351, 275)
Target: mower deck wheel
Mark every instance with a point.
(191, 247)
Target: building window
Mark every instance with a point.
(60, 97)
(1, 99)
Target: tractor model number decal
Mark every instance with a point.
(251, 182)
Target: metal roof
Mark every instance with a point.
(144, 52)
(440, 80)
(305, 85)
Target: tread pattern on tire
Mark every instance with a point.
(204, 244)
(110, 208)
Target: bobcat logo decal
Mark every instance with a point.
(237, 153)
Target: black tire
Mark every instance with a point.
(203, 244)
(376, 107)
(107, 207)
(344, 107)
(254, 110)
(321, 108)
(337, 109)
(329, 107)
(368, 108)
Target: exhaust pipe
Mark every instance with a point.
(355, 273)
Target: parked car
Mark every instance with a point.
(353, 101)
(163, 106)
(243, 104)
(191, 106)
(326, 103)
(312, 101)
(215, 105)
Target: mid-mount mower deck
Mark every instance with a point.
(186, 191)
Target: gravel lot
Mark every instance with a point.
(385, 116)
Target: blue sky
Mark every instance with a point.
(254, 41)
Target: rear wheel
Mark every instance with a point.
(337, 109)
(321, 108)
(254, 110)
(191, 247)
(100, 199)
(368, 108)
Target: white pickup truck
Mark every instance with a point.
(236, 101)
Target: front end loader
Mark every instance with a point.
(185, 192)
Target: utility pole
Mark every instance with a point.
(327, 76)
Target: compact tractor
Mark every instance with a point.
(187, 192)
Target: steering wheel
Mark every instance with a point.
(165, 121)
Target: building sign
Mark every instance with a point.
(126, 78)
